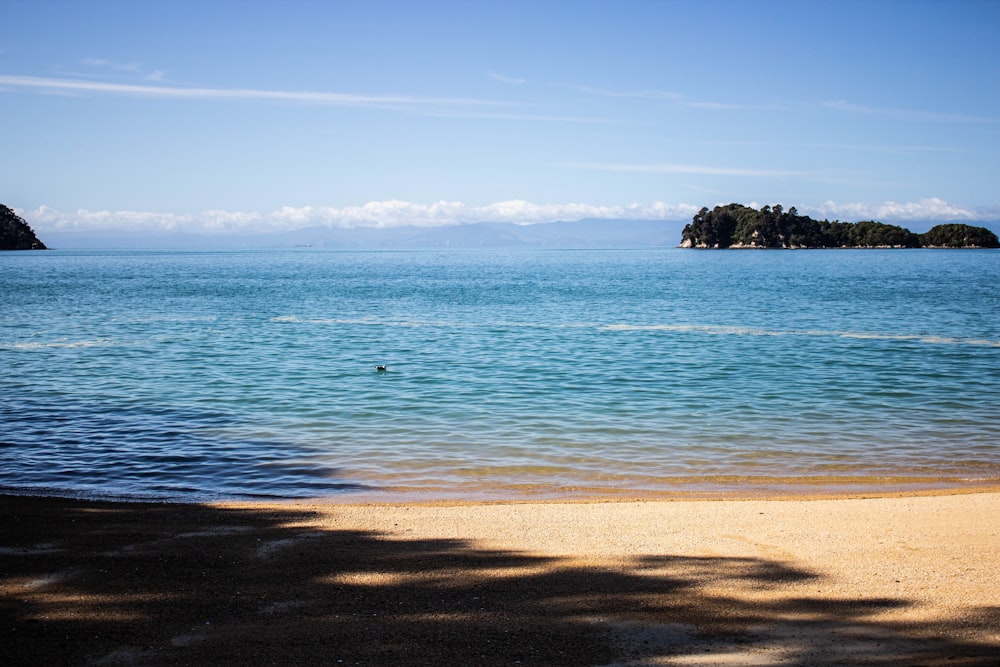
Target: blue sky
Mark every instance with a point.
(256, 115)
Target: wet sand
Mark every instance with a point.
(890, 580)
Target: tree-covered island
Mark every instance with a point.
(15, 234)
(738, 226)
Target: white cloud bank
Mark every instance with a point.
(395, 213)
(376, 214)
(924, 210)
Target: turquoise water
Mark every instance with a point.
(199, 375)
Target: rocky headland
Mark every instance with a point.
(15, 233)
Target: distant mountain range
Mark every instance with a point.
(577, 234)
(589, 233)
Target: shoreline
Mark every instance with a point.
(865, 580)
(787, 491)
(780, 489)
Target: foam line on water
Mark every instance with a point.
(717, 330)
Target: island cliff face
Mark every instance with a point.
(15, 234)
(738, 226)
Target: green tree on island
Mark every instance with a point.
(739, 226)
(959, 236)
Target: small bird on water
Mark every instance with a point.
(380, 369)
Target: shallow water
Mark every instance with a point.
(197, 375)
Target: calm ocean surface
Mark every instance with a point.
(511, 373)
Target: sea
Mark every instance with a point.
(508, 373)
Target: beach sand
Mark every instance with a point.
(855, 581)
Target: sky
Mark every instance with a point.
(251, 116)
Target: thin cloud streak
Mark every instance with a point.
(837, 105)
(636, 95)
(664, 96)
(130, 68)
(907, 114)
(681, 169)
(134, 68)
(172, 92)
(870, 148)
(441, 107)
(500, 115)
(503, 78)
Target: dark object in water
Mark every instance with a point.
(380, 369)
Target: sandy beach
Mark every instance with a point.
(854, 581)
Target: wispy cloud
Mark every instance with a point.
(680, 169)
(246, 94)
(120, 67)
(659, 95)
(442, 107)
(503, 78)
(487, 114)
(719, 106)
(870, 148)
(128, 68)
(908, 114)
(635, 94)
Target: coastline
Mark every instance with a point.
(779, 489)
(893, 579)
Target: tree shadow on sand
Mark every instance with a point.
(144, 584)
